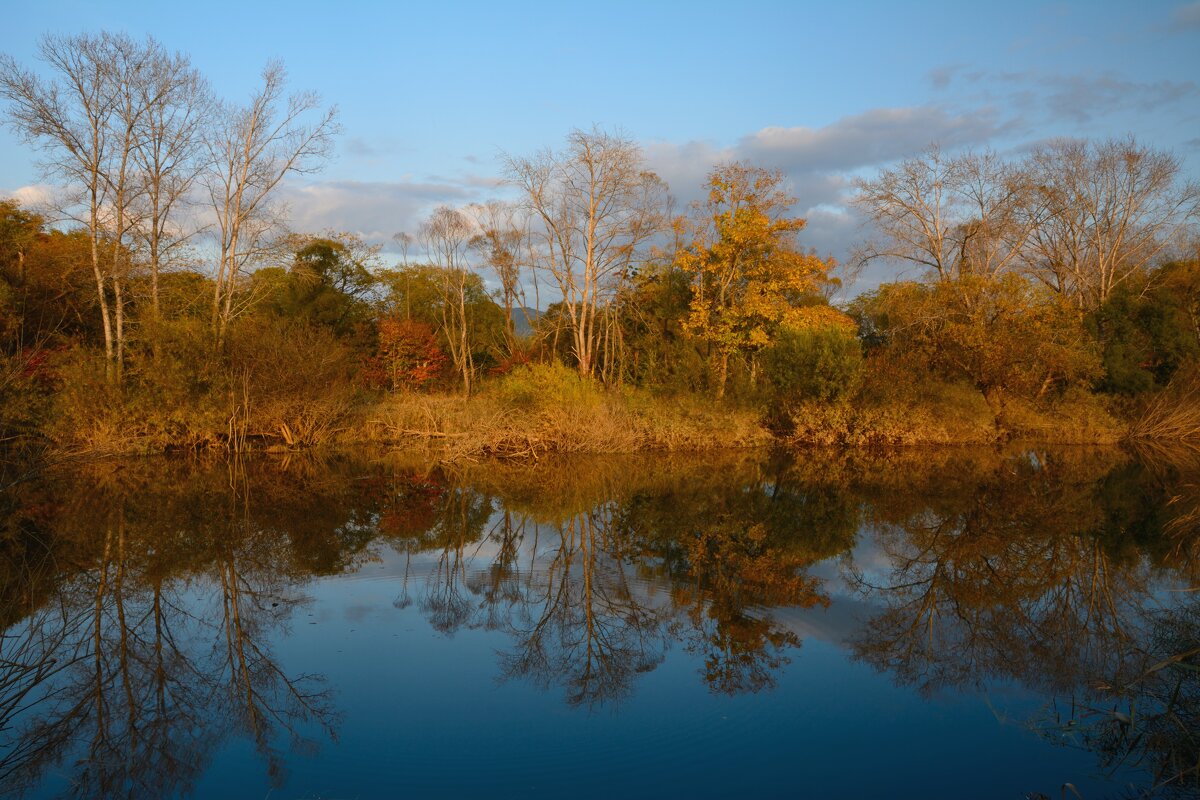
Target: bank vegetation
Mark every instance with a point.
(161, 302)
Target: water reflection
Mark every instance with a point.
(1066, 573)
(143, 600)
(149, 601)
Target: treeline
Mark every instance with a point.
(161, 301)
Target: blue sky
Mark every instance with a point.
(431, 94)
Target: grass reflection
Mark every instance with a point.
(141, 598)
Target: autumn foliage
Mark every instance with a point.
(408, 356)
(746, 268)
(718, 327)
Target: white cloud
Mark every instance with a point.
(818, 159)
(1058, 96)
(873, 137)
(37, 197)
(373, 210)
(820, 162)
(941, 77)
(1083, 98)
(1186, 16)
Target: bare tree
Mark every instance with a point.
(909, 206)
(951, 216)
(251, 150)
(447, 236)
(499, 244)
(170, 156)
(594, 208)
(85, 119)
(1104, 212)
(134, 94)
(404, 241)
(994, 196)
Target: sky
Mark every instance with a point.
(431, 96)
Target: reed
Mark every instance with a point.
(1173, 414)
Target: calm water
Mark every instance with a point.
(953, 624)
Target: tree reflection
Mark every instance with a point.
(141, 600)
(583, 625)
(156, 645)
(733, 552)
(589, 617)
(1057, 573)
(735, 576)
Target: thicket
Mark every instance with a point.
(585, 316)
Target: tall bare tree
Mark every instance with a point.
(86, 120)
(447, 237)
(499, 243)
(994, 197)
(251, 150)
(594, 208)
(135, 93)
(952, 216)
(170, 156)
(1105, 212)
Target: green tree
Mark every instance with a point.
(653, 313)
(1150, 328)
(417, 292)
(822, 364)
(331, 281)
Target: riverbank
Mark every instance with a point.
(552, 411)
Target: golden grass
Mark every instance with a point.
(1173, 414)
(485, 426)
(950, 414)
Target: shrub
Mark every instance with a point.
(544, 386)
(1004, 335)
(88, 411)
(291, 381)
(823, 364)
(408, 355)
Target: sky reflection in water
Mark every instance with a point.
(942, 624)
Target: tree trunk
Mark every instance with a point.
(722, 375)
(102, 294)
(996, 401)
(119, 314)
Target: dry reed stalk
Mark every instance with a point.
(1173, 415)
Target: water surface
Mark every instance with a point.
(946, 623)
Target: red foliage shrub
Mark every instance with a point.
(408, 355)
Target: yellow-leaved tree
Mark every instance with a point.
(746, 268)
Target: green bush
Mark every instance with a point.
(813, 364)
(1147, 330)
(537, 386)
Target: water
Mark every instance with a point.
(948, 623)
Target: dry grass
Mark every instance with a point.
(947, 414)
(486, 426)
(1079, 417)
(846, 425)
(549, 409)
(1173, 414)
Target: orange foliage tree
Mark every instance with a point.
(408, 355)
